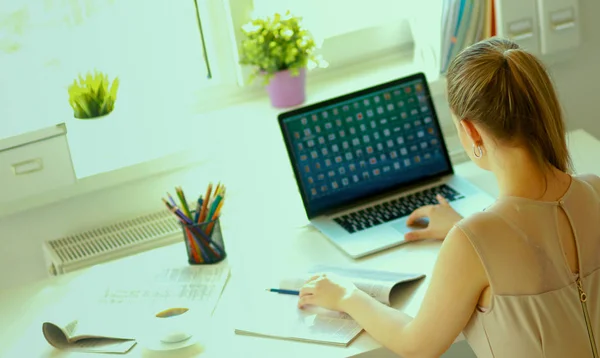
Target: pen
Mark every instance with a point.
(198, 209)
(284, 292)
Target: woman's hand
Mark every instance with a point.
(327, 291)
(441, 219)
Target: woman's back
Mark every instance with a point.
(535, 254)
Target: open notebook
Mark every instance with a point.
(87, 336)
(277, 316)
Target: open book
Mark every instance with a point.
(81, 335)
(277, 316)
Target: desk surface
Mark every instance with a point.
(282, 243)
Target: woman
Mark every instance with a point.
(522, 278)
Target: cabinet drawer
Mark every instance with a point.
(35, 166)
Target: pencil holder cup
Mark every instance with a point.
(204, 242)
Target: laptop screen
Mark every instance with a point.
(364, 144)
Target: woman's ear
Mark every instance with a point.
(471, 131)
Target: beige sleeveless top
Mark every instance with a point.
(536, 310)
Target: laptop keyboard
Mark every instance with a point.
(394, 209)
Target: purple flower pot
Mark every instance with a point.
(286, 90)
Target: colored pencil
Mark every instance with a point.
(199, 224)
(215, 216)
(203, 253)
(171, 200)
(218, 188)
(175, 210)
(184, 221)
(205, 242)
(205, 204)
(184, 204)
(213, 207)
(193, 249)
(196, 236)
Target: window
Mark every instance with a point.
(366, 32)
(177, 58)
(163, 56)
(349, 33)
(155, 47)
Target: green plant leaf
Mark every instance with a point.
(275, 44)
(91, 97)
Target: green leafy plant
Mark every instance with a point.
(93, 96)
(278, 43)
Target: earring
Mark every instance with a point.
(477, 151)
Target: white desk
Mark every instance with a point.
(259, 245)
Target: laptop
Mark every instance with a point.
(365, 160)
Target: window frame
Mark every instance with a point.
(425, 46)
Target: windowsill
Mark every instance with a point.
(98, 148)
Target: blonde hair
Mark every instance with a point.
(507, 90)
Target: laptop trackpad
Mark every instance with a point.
(401, 227)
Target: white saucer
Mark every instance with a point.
(155, 344)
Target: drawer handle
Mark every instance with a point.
(28, 166)
(522, 36)
(563, 25)
(521, 30)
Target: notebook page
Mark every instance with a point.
(378, 284)
(276, 315)
(380, 290)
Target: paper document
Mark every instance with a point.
(278, 316)
(200, 286)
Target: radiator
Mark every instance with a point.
(85, 249)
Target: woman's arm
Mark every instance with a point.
(456, 283)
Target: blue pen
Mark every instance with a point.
(284, 292)
(198, 209)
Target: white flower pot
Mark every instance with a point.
(100, 126)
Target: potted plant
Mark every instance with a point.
(93, 97)
(280, 50)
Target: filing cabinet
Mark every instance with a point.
(518, 20)
(35, 162)
(543, 27)
(559, 24)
